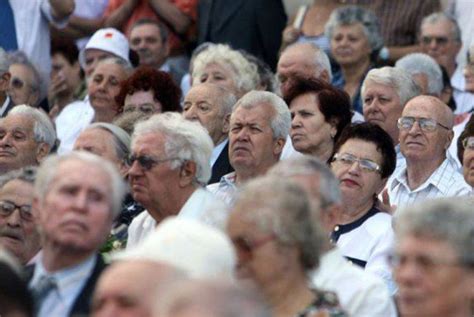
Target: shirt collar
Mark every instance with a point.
(216, 151)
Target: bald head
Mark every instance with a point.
(443, 114)
(128, 288)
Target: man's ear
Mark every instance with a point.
(42, 151)
(226, 125)
(278, 146)
(5, 81)
(449, 139)
(187, 173)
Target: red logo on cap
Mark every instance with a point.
(108, 35)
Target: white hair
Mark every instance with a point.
(396, 78)
(43, 128)
(442, 16)
(186, 140)
(49, 168)
(281, 119)
(126, 65)
(120, 136)
(320, 58)
(419, 63)
(245, 73)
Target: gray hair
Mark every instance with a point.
(320, 58)
(282, 208)
(126, 65)
(281, 120)
(353, 14)
(442, 16)
(449, 220)
(26, 174)
(185, 140)
(38, 84)
(305, 165)
(121, 138)
(245, 73)
(43, 128)
(219, 297)
(4, 61)
(419, 63)
(396, 78)
(227, 98)
(49, 169)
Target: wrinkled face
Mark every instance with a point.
(437, 41)
(92, 57)
(104, 86)
(419, 145)
(202, 104)
(18, 147)
(349, 44)
(220, 75)
(76, 212)
(125, 289)
(142, 101)
(146, 41)
(23, 89)
(256, 249)
(382, 106)
(430, 280)
(150, 187)
(309, 129)
(101, 143)
(468, 166)
(252, 147)
(18, 233)
(62, 70)
(357, 185)
(298, 61)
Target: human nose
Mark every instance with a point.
(80, 201)
(14, 219)
(135, 169)
(406, 273)
(295, 121)
(190, 113)
(243, 135)
(5, 140)
(415, 128)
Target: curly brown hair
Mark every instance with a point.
(146, 78)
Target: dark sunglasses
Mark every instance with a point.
(147, 162)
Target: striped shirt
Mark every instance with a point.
(445, 181)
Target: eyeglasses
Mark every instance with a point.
(8, 207)
(468, 143)
(426, 124)
(147, 162)
(349, 160)
(439, 40)
(245, 247)
(426, 263)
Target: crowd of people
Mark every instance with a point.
(178, 158)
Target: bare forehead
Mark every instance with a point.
(204, 92)
(427, 107)
(72, 171)
(17, 122)
(261, 113)
(147, 29)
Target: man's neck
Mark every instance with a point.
(418, 172)
(173, 205)
(56, 259)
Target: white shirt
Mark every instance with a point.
(74, 118)
(70, 282)
(201, 205)
(32, 18)
(216, 151)
(225, 189)
(368, 241)
(453, 148)
(464, 99)
(360, 294)
(445, 181)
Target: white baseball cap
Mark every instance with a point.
(109, 40)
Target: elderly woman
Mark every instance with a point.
(425, 71)
(277, 247)
(149, 91)
(385, 91)
(355, 42)
(465, 146)
(319, 113)
(433, 263)
(104, 87)
(221, 65)
(364, 158)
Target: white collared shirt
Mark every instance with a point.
(216, 151)
(360, 293)
(201, 205)
(70, 282)
(445, 181)
(225, 189)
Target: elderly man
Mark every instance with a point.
(26, 138)
(434, 259)
(74, 215)
(211, 105)
(424, 71)
(18, 233)
(5, 101)
(129, 288)
(169, 167)
(385, 91)
(425, 135)
(259, 125)
(360, 293)
(25, 83)
(303, 60)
